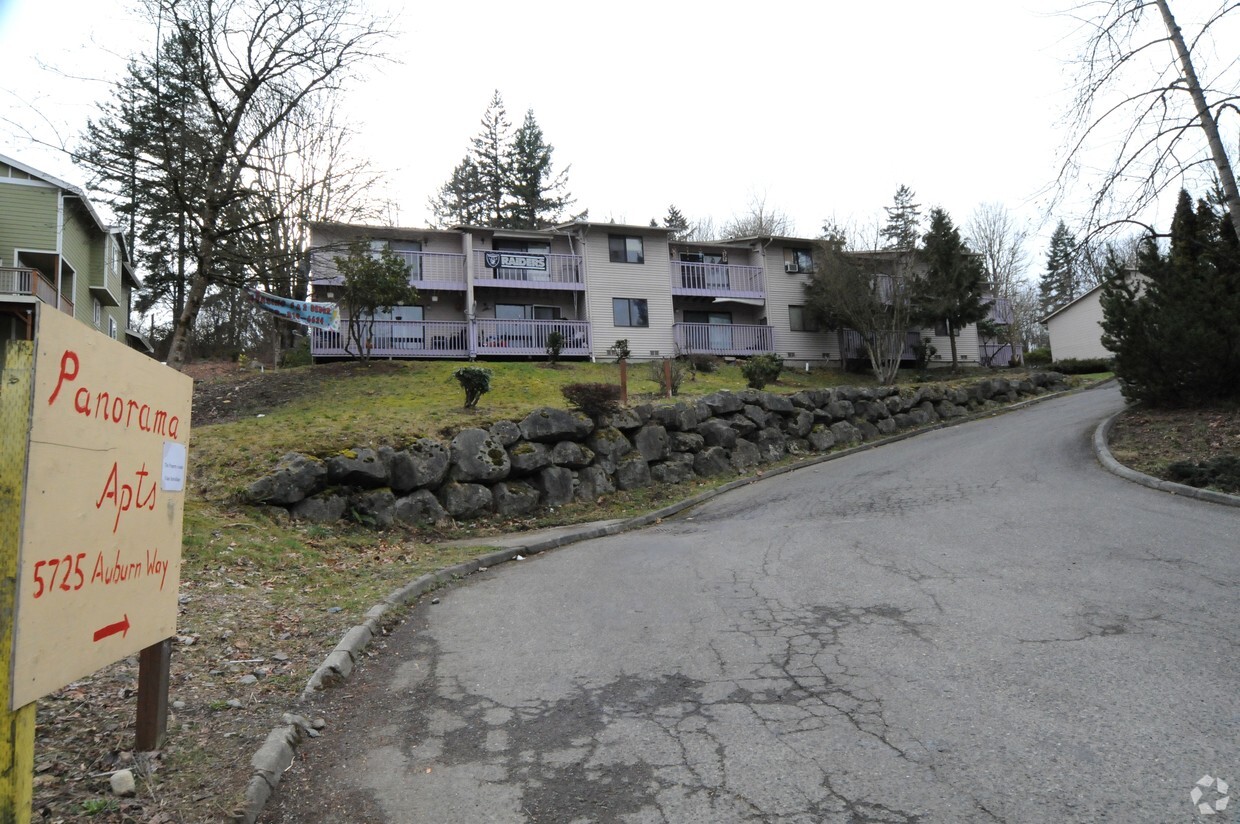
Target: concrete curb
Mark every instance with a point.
(1103, 434)
(277, 752)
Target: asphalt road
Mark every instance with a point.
(976, 624)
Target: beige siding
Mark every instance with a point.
(486, 300)
(27, 220)
(1076, 332)
(784, 290)
(650, 281)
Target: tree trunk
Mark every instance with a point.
(1227, 177)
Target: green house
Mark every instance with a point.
(55, 248)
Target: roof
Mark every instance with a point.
(1070, 303)
(635, 227)
(76, 191)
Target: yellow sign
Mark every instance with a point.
(100, 558)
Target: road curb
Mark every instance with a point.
(282, 742)
(1103, 434)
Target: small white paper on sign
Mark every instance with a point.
(172, 479)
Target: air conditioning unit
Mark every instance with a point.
(791, 268)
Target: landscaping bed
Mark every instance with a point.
(1193, 446)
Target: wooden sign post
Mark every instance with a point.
(99, 502)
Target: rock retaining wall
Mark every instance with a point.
(554, 456)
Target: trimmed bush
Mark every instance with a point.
(555, 345)
(476, 381)
(1083, 366)
(1222, 473)
(594, 399)
(1038, 357)
(762, 369)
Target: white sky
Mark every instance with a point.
(823, 108)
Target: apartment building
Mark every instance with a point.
(486, 292)
(55, 248)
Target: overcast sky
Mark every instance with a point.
(821, 108)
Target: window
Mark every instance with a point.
(940, 328)
(799, 320)
(625, 249)
(96, 309)
(629, 312)
(112, 328)
(798, 260)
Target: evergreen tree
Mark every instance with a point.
(952, 286)
(538, 196)
(1173, 330)
(1060, 284)
(677, 222)
(903, 227)
(506, 180)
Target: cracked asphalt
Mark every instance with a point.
(976, 624)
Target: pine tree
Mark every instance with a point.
(677, 223)
(1173, 331)
(903, 227)
(951, 289)
(1060, 284)
(538, 196)
(459, 202)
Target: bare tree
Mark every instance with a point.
(251, 64)
(994, 233)
(865, 297)
(758, 221)
(1169, 127)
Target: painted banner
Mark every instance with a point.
(508, 260)
(315, 315)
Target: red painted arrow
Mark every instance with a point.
(121, 626)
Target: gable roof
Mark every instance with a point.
(75, 191)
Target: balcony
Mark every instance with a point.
(398, 339)
(717, 280)
(735, 339)
(563, 272)
(529, 337)
(31, 282)
(447, 339)
(427, 270)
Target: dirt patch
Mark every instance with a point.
(1151, 440)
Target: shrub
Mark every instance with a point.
(1221, 472)
(1082, 366)
(476, 381)
(555, 345)
(594, 399)
(677, 373)
(298, 355)
(762, 369)
(705, 363)
(1038, 357)
(923, 351)
(620, 349)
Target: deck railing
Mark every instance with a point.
(428, 270)
(529, 337)
(717, 279)
(995, 354)
(723, 338)
(453, 338)
(562, 272)
(21, 281)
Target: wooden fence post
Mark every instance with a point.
(624, 381)
(16, 727)
(667, 377)
(153, 696)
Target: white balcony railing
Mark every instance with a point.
(427, 270)
(723, 338)
(529, 337)
(717, 279)
(397, 339)
(562, 272)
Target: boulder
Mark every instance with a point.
(527, 457)
(357, 467)
(571, 454)
(423, 464)
(609, 443)
(671, 472)
(506, 432)
(555, 485)
(928, 408)
(742, 423)
(757, 414)
(713, 460)
(294, 477)
(821, 438)
(744, 455)
(323, 508)
(590, 483)
(868, 430)
(680, 417)
(420, 507)
(717, 433)
(771, 443)
(839, 410)
(513, 498)
(548, 424)
(376, 507)
(466, 500)
(625, 419)
(632, 472)
(477, 456)
(723, 403)
(775, 403)
(685, 442)
(845, 433)
(887, 426)
(652, 442)
(799, 423)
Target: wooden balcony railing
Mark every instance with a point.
(562, 272)
(21, 281)
(723, 338)
(717, 279)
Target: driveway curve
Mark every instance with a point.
(977, 624)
